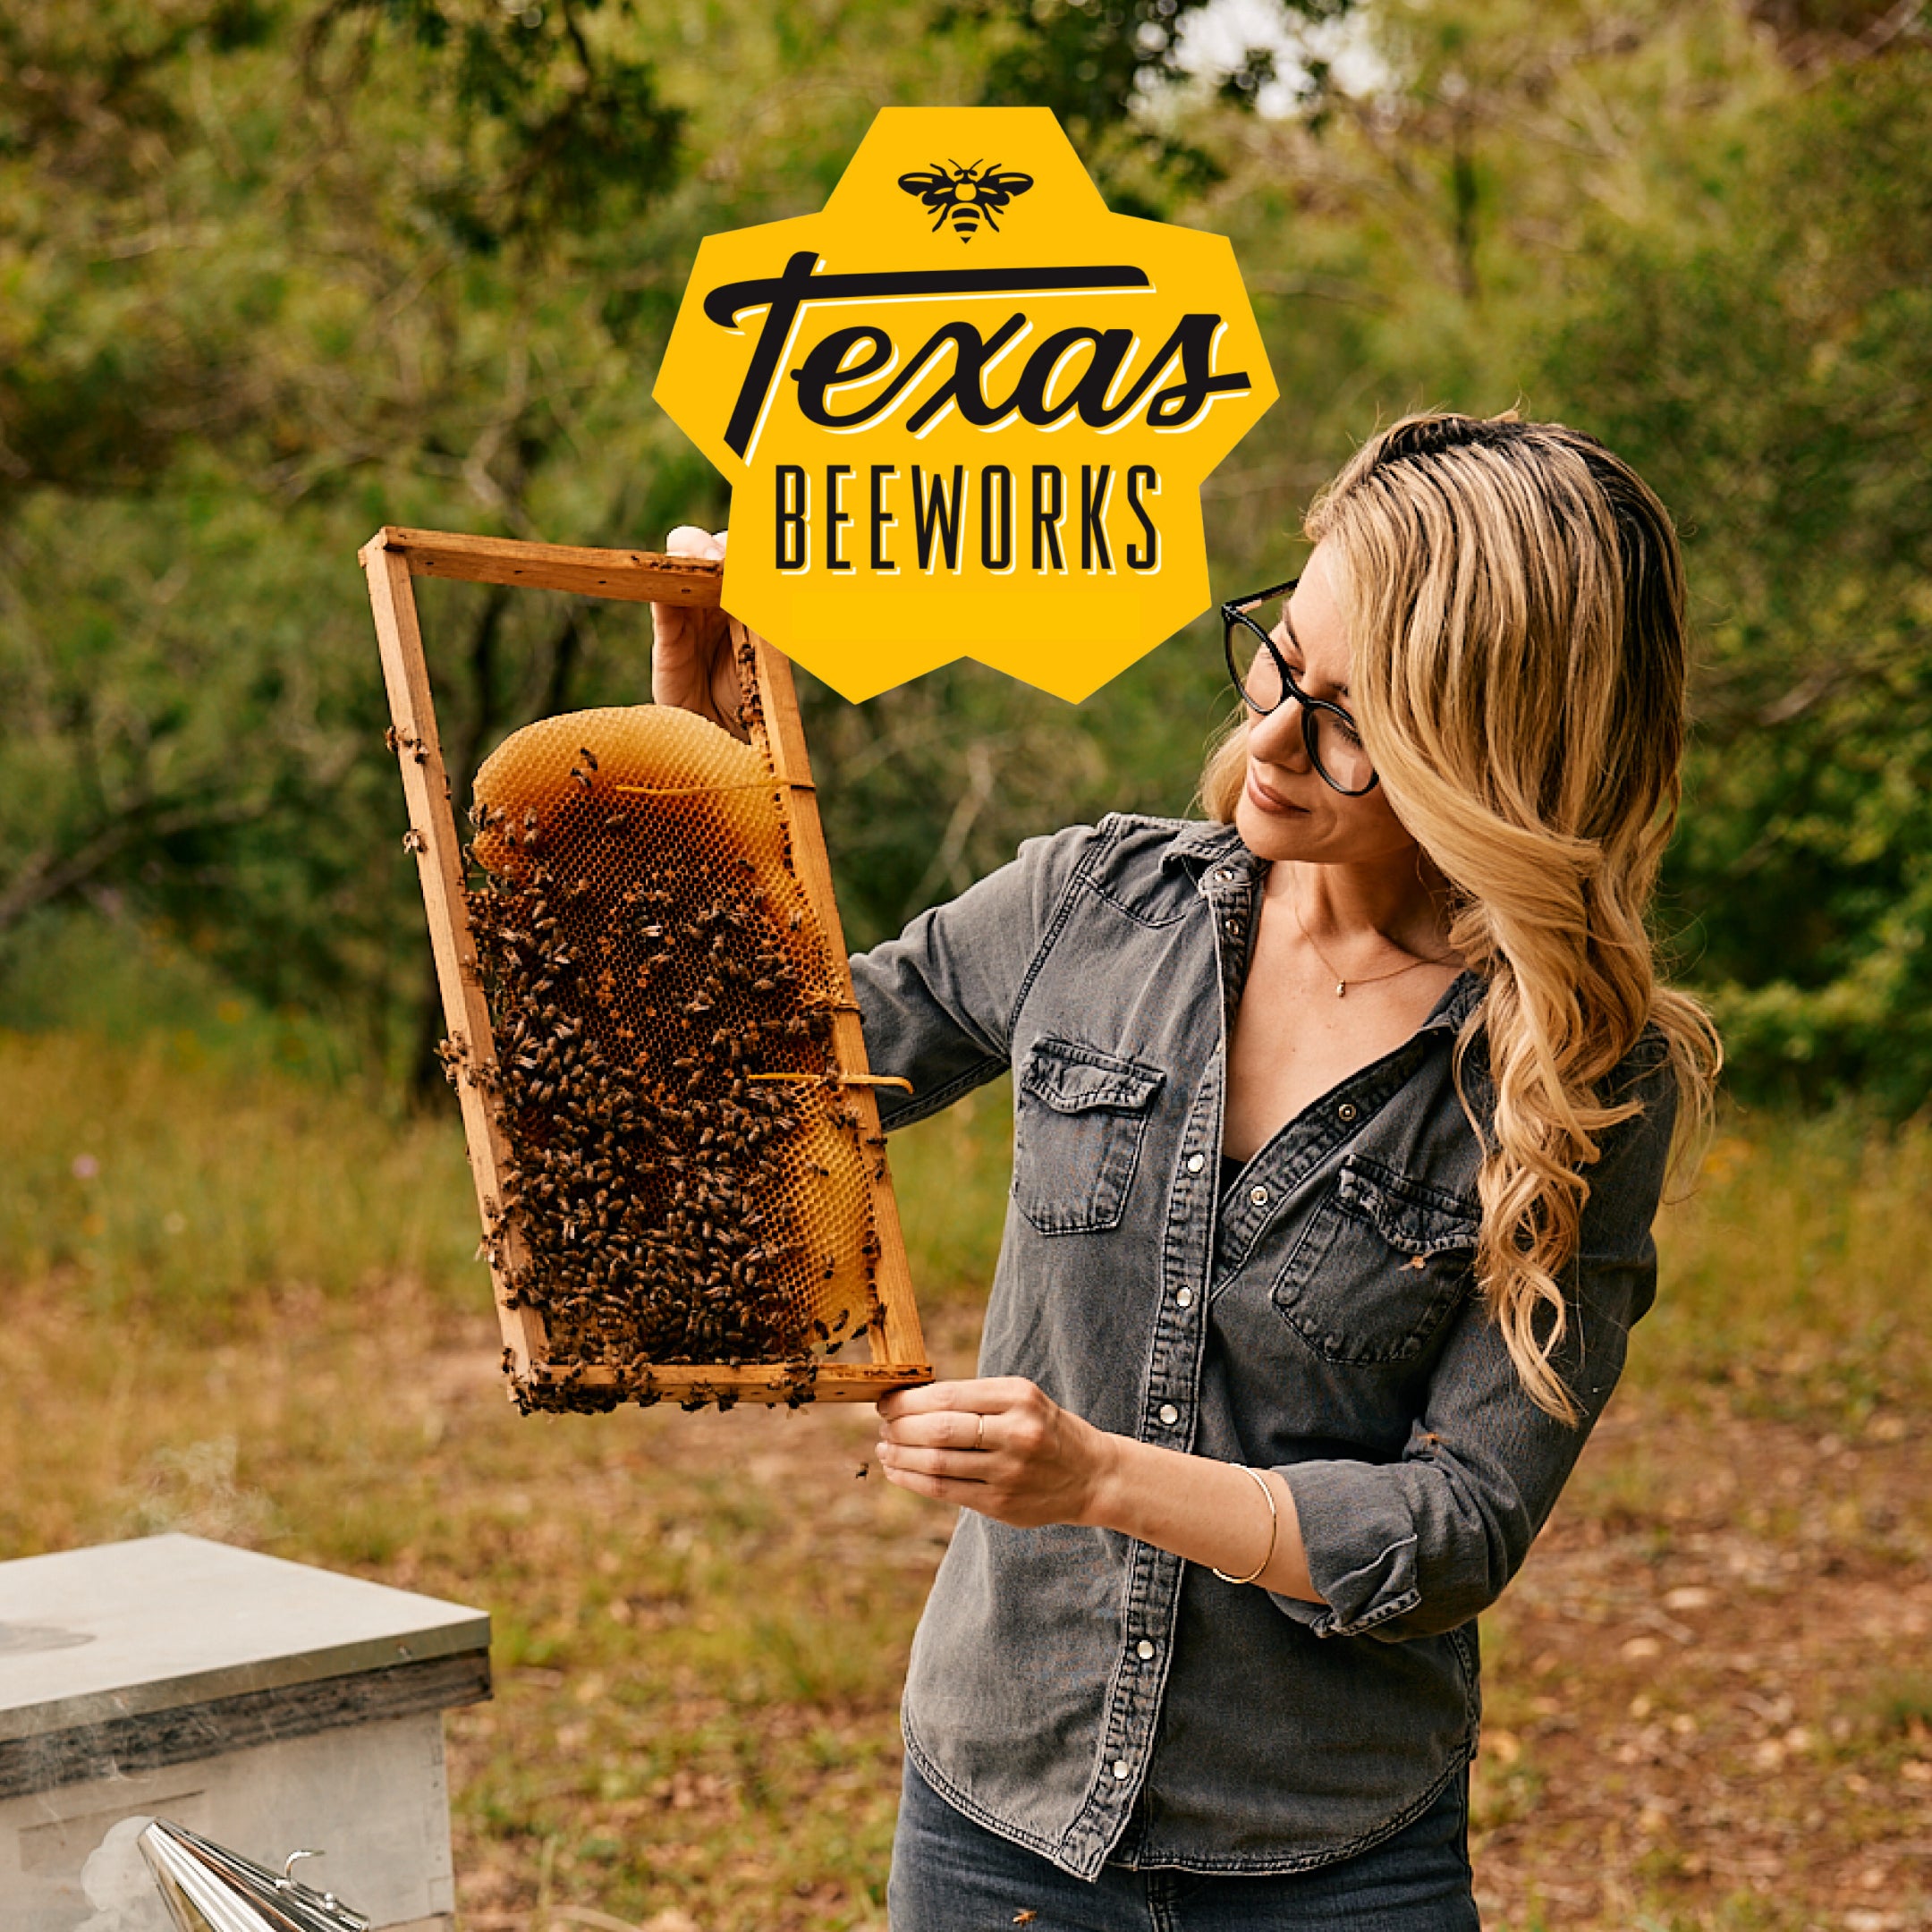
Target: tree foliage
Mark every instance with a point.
(1769, 361)
(278, 271)
(269, 311)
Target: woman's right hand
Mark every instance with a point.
(691, 663)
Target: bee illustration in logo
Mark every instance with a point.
(966, 196)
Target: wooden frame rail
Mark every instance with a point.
(389, 560)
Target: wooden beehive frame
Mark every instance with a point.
(390, 559)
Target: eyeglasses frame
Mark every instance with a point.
(1235, 612)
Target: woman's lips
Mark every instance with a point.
(1273, 802)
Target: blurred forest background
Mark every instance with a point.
(275, 271)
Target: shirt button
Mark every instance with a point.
(1258, 1196)
(1121, 1768)
(1232, 927)
(1144, 1651)
(1196, 1162)
(1227, 872)
(1346, 1111)
(1169, 1414)
(1184, 1296)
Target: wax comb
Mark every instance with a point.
(673, 1127)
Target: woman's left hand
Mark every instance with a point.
(999, 1446)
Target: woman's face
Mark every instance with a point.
(1287, 810)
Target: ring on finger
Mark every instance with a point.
(979, 1433)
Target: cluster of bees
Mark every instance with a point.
(661, 1080)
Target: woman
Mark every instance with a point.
(1340, 1124)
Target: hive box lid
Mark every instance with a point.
(102, 1636)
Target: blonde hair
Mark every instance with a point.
(1514, 603)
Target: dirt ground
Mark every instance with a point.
(1709, 1693)
(1712, 1704)
(245, 1309)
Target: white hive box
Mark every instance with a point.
(264, 1704)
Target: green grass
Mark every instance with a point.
(248, 1305)
(243, 1301)
(152, 1174)
(159, 1171)
(1796, 1272)
(156, 1172)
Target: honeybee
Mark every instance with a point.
(964, 196)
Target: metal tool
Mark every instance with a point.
(209, 1888)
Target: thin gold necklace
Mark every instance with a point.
(1341, 984)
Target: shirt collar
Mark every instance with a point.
(1459, 1000)
(1204, 842)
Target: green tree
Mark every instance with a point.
(1768, 361)
(278, 271)
(261, 312)
(285, 272)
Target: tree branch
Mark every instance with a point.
(52, 874)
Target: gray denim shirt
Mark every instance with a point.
(1091, 1696)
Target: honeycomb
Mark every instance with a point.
(687, 1178)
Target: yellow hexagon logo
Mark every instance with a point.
(965, 409)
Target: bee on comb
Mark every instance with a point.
(652, 1030)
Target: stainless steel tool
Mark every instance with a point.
(209, 1888)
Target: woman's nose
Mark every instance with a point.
(1276, 739)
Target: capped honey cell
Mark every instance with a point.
(685, 1186)
(651, 1029)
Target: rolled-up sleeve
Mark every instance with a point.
(937, 1004)
(1414, 1548)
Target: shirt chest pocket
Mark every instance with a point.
(1383, 1262)
(1079, 1116)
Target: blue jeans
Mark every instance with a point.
(951, 1875)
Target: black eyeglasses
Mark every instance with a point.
(1262, 676)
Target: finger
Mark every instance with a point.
(928, 1397)
(940, 1489)
(687, 540)
(947, 1428)
(979, 1396)
(955, 1465)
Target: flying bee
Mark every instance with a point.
(966, 196)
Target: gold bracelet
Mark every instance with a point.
(1273, 1530)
